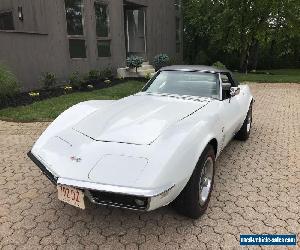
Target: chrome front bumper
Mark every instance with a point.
(109, 195)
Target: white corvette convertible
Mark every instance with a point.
(149, 149)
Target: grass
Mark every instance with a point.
(49, 109)
(273, 76)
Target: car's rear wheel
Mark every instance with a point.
(194, 198)
(245, 130)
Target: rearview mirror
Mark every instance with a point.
(234, 91)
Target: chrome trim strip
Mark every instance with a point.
(113, 189)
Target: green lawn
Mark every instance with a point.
(49, 109)
(274, 76)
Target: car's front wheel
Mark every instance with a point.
(245, 130)
(194, 198)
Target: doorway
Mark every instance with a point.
(135, 29)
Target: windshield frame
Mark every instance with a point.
(218, 78)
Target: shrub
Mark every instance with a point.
(68, 89)
(134, 62)
(94, 76)
(219, 65)
(8, 83)
(76, 81)
(160, 61)
(106, 74)
(148, 76)
(49, 80)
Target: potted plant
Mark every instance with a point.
(134, 62)
(160, 61)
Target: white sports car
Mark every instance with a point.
(149, 149)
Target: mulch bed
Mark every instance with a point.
(24, 98)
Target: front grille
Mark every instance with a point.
(119, 200)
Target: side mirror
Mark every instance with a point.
(234, 91)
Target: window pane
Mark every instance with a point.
(74, 17)
(185, 83)
(101, 20)
(6, 21)
(77, 48)
(103, 48)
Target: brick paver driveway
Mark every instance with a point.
(257, 190)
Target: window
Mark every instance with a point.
(74, 16)
(135, 21)
(77, 48)
(102, 21)
(226, 85)
(184, 83)
(102, 29)
(103, 48)
(6, 21)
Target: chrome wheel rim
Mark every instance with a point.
(249, 121)
(205, 183)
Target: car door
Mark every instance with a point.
(230, 112)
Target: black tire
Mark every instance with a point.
(188, 203)
(244, 132)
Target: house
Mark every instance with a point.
(64, 36)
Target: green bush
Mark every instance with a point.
(76, 81)
(134, 62)
(8, 83)
(219, 65)
(94, 76)
(49, 80)
(106, 74)
(160, 61)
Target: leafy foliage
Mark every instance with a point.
(219, 65)
(49, 109)
(106, 74)
(93, 76)
(244, 34)
(134, 62)
(49, 80)
(8, 83)
(76, 81)
(160, 61)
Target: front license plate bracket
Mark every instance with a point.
(71, 195)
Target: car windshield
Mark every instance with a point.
(184, 83)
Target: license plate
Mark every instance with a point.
(72, 196)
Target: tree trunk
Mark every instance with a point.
(253, 57)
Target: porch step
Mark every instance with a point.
(143, 71)
(146, 66)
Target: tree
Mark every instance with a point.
(241, 32)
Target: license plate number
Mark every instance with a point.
(72, 196)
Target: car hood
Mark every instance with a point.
(138, 119)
